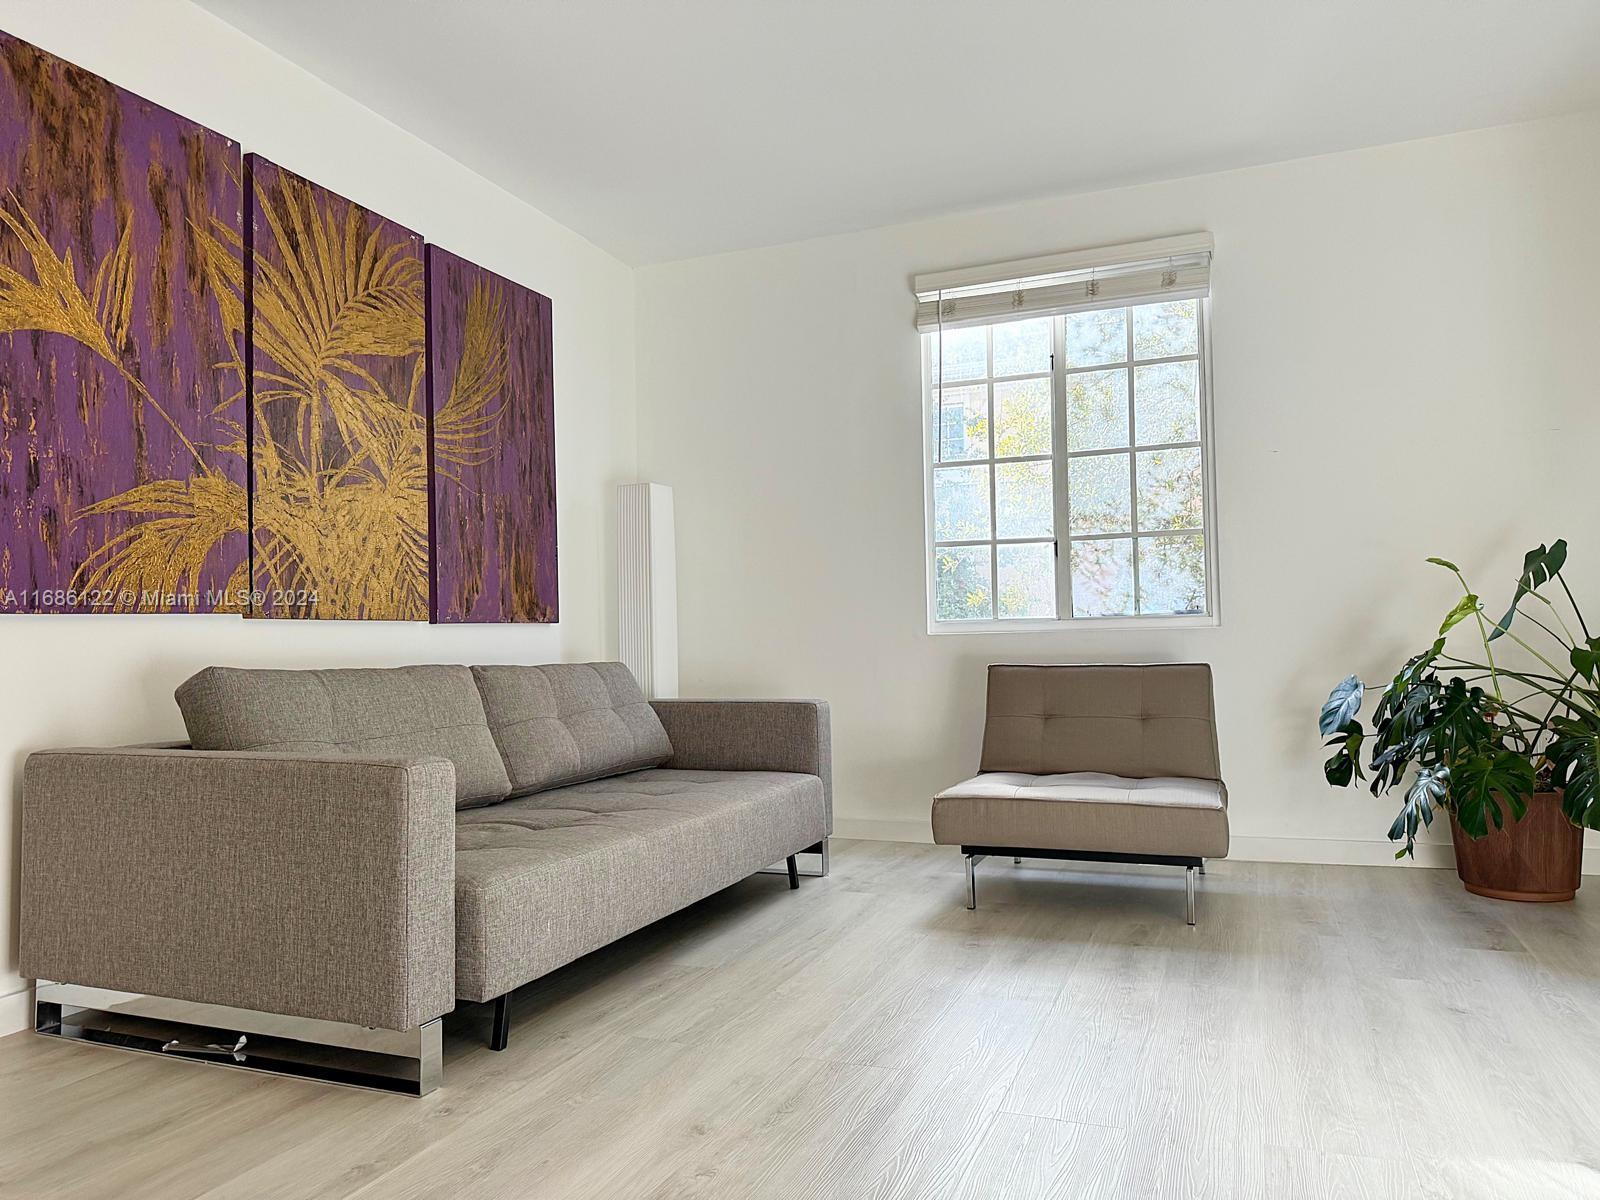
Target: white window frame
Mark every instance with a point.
(1061, 459)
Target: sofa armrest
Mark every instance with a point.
(751, 735)
(304, 884)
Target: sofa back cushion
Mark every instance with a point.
(393, 711)
(1136, 721)
(569, 722)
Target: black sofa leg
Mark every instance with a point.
(500, 1035)
(794, 873)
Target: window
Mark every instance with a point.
(1068, 457)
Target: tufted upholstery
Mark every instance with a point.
(1134, 721)
(568, 722)
(404, 712)
(543, 879)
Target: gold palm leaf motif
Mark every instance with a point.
(54, 302)
(222, 259)
(339, 291)
(463, 430)
(182, 521)
(341, 436)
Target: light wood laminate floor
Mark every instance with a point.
(1325, 1031)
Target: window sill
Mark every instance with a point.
(1075, 625)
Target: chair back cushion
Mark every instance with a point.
(1139, 722)
(391, 712)
(568, 722)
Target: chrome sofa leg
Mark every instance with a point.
(46, 1016)
(972, 879)
(430, 1056)
(794, 873)
(406, 1061)
(1202, 866)
(824, 844)
(1188, 875)
(1017, 861)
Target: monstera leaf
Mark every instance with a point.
(1483, 784)
(1427, 792)
(1464, 608)
(1426, 722)
(1342, 703)
(1344, 768)
(1586, 659)
(1459, 724)
(1574, 756)
(1539, 566)
(1412, 688)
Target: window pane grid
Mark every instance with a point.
(1029, 542)
(1006, 439)
(1116, 572)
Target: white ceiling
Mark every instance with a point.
(665, 129)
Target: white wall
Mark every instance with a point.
(1404, 365)
(103, 680)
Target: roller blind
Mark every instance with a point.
(1175, 268)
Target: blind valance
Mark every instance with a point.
(1176, 268)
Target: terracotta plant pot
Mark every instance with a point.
(1537, 859)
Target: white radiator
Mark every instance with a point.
(647, 587)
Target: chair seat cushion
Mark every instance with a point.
(1085, 810)
(543, 879)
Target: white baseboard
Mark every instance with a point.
(1327, 851)
(882, 831)
(16, 1011)
(1341, 852)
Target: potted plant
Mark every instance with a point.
(1508, 746)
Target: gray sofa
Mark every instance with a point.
(366, 847)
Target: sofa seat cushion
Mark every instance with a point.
(544, 879)
(1085, 810)
(568, 722)
(402, 712)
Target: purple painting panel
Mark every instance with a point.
(122, 456)
(492, 440)
(339, 420)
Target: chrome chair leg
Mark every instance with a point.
(1188, 875)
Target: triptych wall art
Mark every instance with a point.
(224, 388)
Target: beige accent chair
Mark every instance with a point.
(1096, 763)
